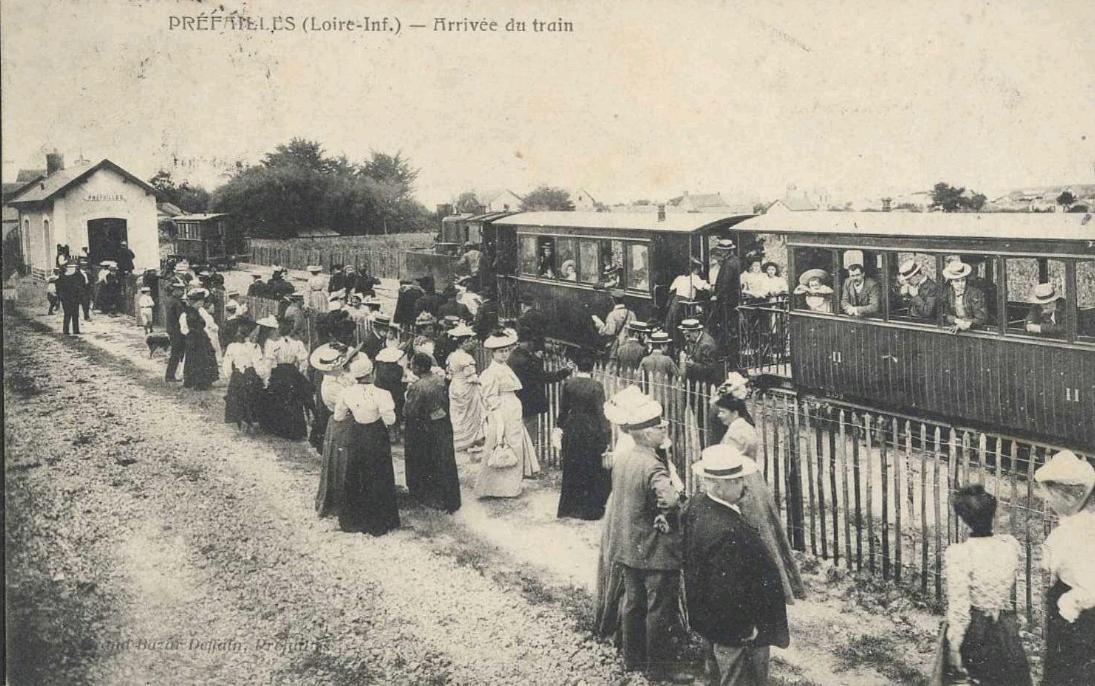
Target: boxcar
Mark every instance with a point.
(209, 239)
(998, 375)
(556, 261)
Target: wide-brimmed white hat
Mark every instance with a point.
(908, 269)
(254, 275)
(314, 268)
(723, 461)
(956, 269)
(269, 321)
(360, 366)
(390, 355)
(499, 341)
(197, 294)
(461, 331)
(632, 409)
(1045, 293)
(805, 277)
(736, 386)
(1066, 468)
(328, 357)
(615, 407)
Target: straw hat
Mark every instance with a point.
(498, 341)
(424, 318)
(197, 294)
(723, 461)
(461, 331)
(615, 408)
(254, 275)
(328, 357)
(269, 321)
(638, 327)
(390, 355)
(1045, 293)
(381, 320)
(690, 325)
(314, 268)
(360, 366)
(806, 276)
(956, 270)
(908, 269)
(1066, 468)
(659, 337)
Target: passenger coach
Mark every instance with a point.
(1000, 373)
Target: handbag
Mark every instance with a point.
(502, 457)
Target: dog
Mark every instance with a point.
(157, 341)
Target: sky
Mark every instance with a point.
(642, 99)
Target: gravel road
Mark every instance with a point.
(148, 543)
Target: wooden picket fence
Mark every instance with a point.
(384, 264)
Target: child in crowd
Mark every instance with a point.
(145, 303)
(51, 291)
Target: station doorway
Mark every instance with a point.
(104, 238)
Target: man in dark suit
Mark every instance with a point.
(918, 294)
(70, 289)
(860, 295)
(701, 353)
(735, 597)
(527, 363)
(963, 306)
(728, 287)
(644, 523)
(175, 309)
(86, 288)
(1046, 316)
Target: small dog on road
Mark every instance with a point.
(157, 341)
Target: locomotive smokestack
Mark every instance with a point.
(661, 213)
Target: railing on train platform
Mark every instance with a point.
(764, 341)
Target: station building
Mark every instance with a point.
(93, 206)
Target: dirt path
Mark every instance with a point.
(272, 593)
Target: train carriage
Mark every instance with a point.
(565, 263)
(209, 239)
(999, 374)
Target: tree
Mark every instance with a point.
(467, 202)
(189, 199)
(760, 207)
(1065, 199)
(956, 199)
(546, 198)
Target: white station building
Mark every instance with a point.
(94, 206)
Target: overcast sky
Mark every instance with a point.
(641, 100)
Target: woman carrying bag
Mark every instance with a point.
(510, 455)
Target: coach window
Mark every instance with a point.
(638, 268)
(813, 280)
(566, 259)
(528, 255)
(1035, 297)
(970, 290)
(914, 287)
(545, 261)
(612, 263)
(1085, 300)
(589, 261)
(861, 285)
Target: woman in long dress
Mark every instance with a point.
(1069, 556)
(289, 394)
(366, 498)
(465, 399)
(200, 364)
(758, 507)
(432, 477)
(244, 384)
(982, 632)
(331, 360)
(504, 424)
(585, 434)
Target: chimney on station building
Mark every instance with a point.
(661, 212)
(55, 162)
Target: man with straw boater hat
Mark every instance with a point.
(633, 349)
(963, 306)
(647, 541)
(1046, 316)
(658, 362)
(735, 597)
(919, 294)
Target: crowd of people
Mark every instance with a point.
(412, 378)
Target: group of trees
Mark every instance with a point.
(956, 199)
(297, 186)
(542, 199)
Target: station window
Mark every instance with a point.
(1085, 300)
(1035, 292)
(861, 290)
(638, 267)
(566, 259)
(528, 255)
(589, 261)
(914, 289)
(969, 292)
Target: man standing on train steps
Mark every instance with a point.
(727, 284)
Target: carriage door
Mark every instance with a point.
(104, 238)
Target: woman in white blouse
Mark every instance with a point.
(289, 394)
(365, 497)
(1068, 555)
(330, 360)
(244, 385)
(982, 632)
(504, 424)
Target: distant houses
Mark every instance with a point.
(1045, 198)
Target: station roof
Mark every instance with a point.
(59, 181)
(1003, 225)
(675, 222)
(199, 217)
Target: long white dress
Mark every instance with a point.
(465, 401)
(498, 383)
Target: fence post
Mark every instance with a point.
(867, 421)
(847, 504)
(811, 445)
(937, 457)
(794, 478)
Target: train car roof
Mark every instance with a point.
(1063, 226)
(199, 217)
(675, 222)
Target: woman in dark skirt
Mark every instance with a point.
(432, 477)
(328, 361)
(982, 632)
(200, 364)
(331, 360)
(1069, 556)
(244, 384)
(289, 394)
(585, 437)
(365, 500)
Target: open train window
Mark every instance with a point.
(914, 287)
(612, 263)
(589, 261)
(1085, 300)
(638, 267)
(529, 254)
(814, 280)
(566, 256)
(970, 289)
(861, 289)
(1035, 297)
(545, 260)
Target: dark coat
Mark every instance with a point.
(924, 304)
(641, 491)
(175, 309)
(728, 282)
(257, 289)
(405, 311)
(731, 584)
(451, 308)
(278, 288)
(1051, 326)
(70, 287)
(869, 298)
(337, 282)
(530, 372)
(586, 434)
(429, 456)
(371, 344)
(703, 360)
(430, 302)
(974, 301)
(630, 353)
(125, 260)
